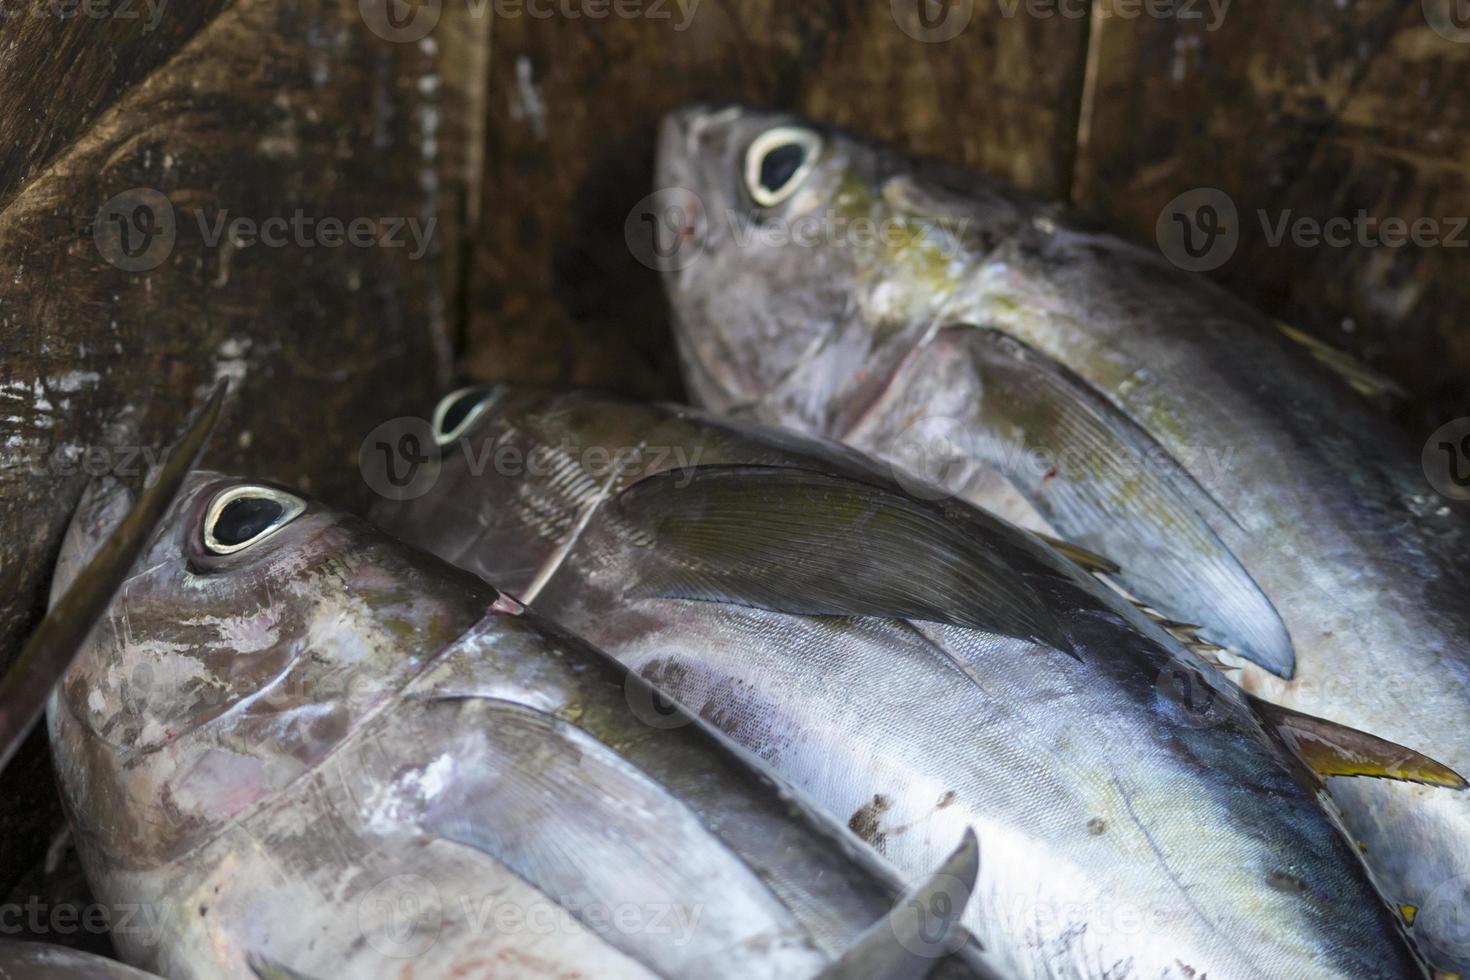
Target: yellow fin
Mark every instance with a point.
(1330, 749)
(1360, 376)
(1088, 561)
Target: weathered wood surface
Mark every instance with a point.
(265, 109)
(1311, 110)
(1318, 107)
(573, 111)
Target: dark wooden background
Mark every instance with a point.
(529, 139)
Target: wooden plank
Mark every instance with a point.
(573, 114)
(1314, 110)
(292, 110)
(62, 62)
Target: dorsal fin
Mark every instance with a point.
(802, 542)
(924, 926)
(52, 647)
(1330, 749)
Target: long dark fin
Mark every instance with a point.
(797, 541)
(268, 969)
(1330, 749)
(923, 927)
(54, 644)
(1113, 488)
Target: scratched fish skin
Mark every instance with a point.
(42, 961)
(1130, 839)
(297, 741)
(1083, 385)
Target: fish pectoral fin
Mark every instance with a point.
(1112, 486)
(925, 924)
(268, 969)
(1330, 749)
(803, 542)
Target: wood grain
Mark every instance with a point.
(273, 109)
(1313, 110)
(575, 104)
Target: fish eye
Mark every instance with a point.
(778, 162)
(244, 516)
(458, 411)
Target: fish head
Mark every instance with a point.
(250, 603)
(818, 260)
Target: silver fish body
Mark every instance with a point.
(1139, 832)
(298, 742)
(42, 961)
(1083, 386)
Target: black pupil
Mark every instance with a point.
(780, 165)
(459, 411)
(245, 518)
